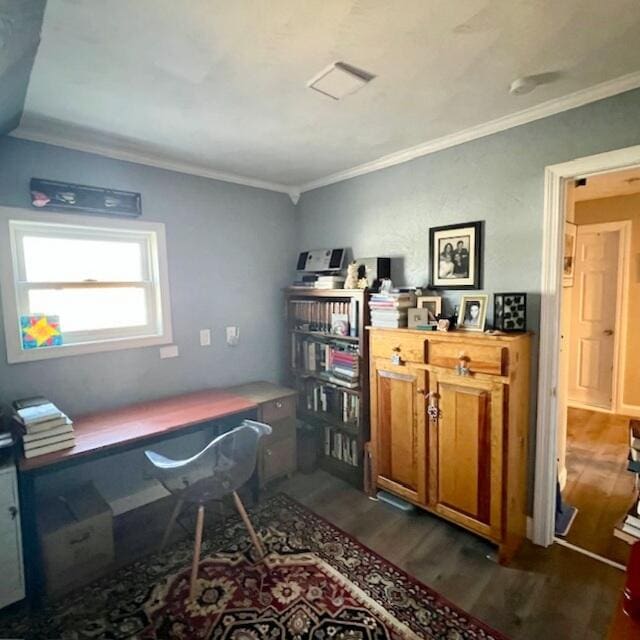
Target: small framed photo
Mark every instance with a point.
(472, 314)
(455, 256)
(433, 304)
(420, 317)
(569, 258)
(510, 312)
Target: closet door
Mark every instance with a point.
(466, 420)
(399, 430)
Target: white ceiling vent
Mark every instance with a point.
(339, 80)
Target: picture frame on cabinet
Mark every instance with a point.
(433, 304)
(456, 256)
(510, 312)
(472, 315)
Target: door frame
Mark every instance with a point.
(556, 177)
(620, 327)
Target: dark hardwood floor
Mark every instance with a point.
(549, 594)
(598, 482)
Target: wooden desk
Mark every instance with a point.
(126, 427)
(106, 433)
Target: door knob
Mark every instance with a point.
(608, 332)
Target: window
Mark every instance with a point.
(103, 285)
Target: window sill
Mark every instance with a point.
(16, 356)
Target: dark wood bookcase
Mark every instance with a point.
(313, 326)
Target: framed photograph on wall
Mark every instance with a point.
(455, 256)
(472, 314)
(569, 260)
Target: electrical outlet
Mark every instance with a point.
(233, 336)
(205, 337)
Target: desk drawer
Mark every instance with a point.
(410, 347)
(278, 409)
(480, 358)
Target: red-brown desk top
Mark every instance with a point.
(101, 431)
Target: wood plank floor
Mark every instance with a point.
(598, 482)
(553, 594)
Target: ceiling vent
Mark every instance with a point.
(339, 80)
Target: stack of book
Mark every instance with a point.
(391, 309)
(44, 428)
(629, 529)
(344, 366)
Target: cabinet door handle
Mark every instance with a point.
(462, 368)
(433, 411)
(278, 404)
(13, 512)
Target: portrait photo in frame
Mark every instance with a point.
(455, 256)
(472, 314)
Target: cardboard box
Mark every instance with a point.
(76, 538)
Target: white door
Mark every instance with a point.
(594, 312)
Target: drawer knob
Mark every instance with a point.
(13, 512)
(462, 368)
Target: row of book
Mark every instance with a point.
(327, 400)
(43, 427)
(391, 309)
(337, 318)
(340, 446)
(339, 360)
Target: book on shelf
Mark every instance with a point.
(36, 414)
(340, 446)
(318, 316)
(64, 427)
(340, 406)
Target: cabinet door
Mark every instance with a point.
(398, 430)
(466, 451)
(12, 583)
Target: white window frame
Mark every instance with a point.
(152, 239)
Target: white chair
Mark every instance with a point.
(221, 468)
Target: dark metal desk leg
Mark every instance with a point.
(32, 557)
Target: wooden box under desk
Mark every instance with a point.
(449, 426)
(277, 408)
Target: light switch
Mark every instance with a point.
(233, 336)
(170, 351)
(205, 337)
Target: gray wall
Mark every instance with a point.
(230, 250)
(498, 179)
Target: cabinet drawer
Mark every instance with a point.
(479, 358)
(410, 347)
(278, 409)
(282, 429)
(278, 458)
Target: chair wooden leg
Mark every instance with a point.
(172, 520)
(196, 551)
(247, 523)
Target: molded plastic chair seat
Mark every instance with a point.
(221, 468)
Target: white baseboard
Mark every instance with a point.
(574, 404)
(632, 410)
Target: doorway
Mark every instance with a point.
(559, 183)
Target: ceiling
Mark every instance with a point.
(219, 88)
(609, 185)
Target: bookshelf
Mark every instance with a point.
(331, 373)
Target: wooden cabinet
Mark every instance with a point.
(12, 583)
(277, 408)
(449, 426)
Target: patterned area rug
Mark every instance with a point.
(316, 582)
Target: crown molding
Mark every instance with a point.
(70, 137)
(543, 110)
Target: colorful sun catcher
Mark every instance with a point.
(40, 330)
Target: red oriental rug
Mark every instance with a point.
(316, 582)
